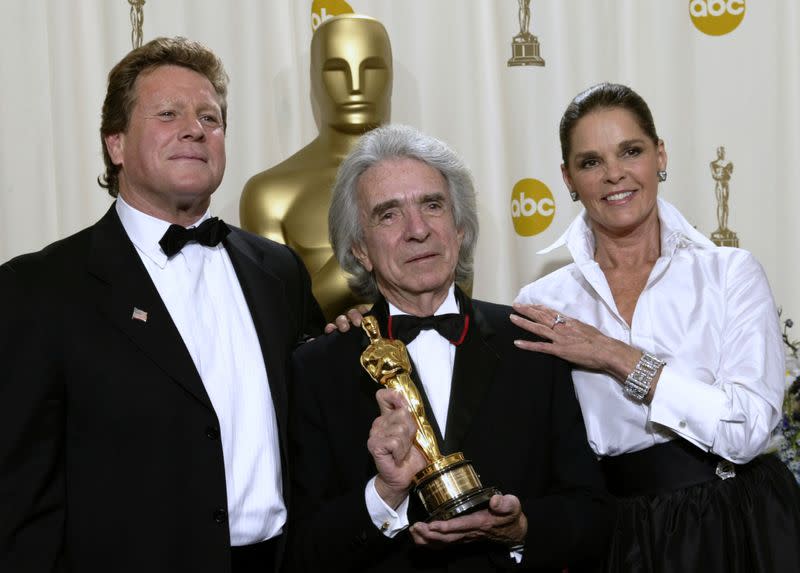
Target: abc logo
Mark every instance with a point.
(321, 10)
(716, 17)
(532, 207)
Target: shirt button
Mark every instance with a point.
(220, 515)
(212, 433)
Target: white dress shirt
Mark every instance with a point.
(202, 293)
(709, 313)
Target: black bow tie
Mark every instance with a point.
(209, 233)
(405, 327)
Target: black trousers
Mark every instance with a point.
(256, 558)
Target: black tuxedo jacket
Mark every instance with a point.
(110, 459)
(512, 412)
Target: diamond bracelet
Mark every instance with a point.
(637, 384)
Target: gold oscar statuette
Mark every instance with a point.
(351, 88)
(449, 485)
(525, 46)
(721, 171)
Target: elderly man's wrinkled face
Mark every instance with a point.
(410, 239)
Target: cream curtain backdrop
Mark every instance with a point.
(740, 90)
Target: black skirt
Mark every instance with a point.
(747, 523)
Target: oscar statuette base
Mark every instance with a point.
(450, 487)
(724, 238)
(525, 51)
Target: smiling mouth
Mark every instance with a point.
(620, 196)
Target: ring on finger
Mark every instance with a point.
(559, 320)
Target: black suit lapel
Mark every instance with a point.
(473, 375)
(125, 286)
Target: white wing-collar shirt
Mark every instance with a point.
(708, 312)
(201, 291)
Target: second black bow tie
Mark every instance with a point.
(406, 327)
(209, 233)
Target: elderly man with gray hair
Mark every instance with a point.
(403, 224)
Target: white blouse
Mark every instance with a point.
(709, 313)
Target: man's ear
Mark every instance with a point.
(115, 145)
(361, 255)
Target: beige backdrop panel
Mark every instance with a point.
(739, 90)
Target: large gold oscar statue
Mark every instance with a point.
(351, 87)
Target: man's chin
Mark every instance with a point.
(193, 190)
(422, 287)
(191, 200)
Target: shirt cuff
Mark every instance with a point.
(691, 409)
(388, 520)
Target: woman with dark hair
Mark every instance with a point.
(677, 353)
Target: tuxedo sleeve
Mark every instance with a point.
(310, 318)
(32, 498)
(570, 525)
(331, 525)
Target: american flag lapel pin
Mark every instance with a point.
(139, 314)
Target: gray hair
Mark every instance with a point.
(382, 144)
